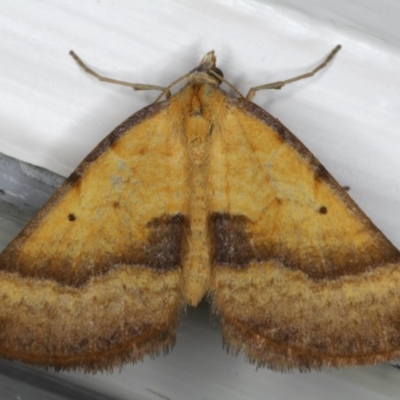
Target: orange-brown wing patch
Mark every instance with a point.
(301, 277)
(96, 275)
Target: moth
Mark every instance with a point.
(200, 193)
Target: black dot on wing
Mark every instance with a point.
(323, 210)
(71, 217)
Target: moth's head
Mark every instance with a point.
(208, 66)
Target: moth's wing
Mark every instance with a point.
(301, 277)
(94, 280)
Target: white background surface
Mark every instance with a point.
(52, 114)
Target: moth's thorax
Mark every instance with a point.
(197, 101)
